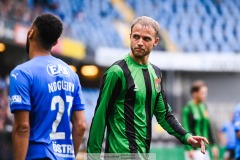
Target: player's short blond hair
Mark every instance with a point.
(147, 21)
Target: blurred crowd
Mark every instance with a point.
(188, 26)
(6, 117)
(24, 11)
(6, 122)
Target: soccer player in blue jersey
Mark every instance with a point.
(236, 122)
(46, 99)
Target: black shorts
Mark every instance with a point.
(230, 153)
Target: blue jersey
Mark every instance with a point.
(236, 121)
(49, 89)
(229, 130)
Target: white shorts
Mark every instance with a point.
(198, 155)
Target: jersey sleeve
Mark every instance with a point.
(109, 91)
(167, 120)
(78, 101)
(20, 85)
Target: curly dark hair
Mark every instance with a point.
(49, 29)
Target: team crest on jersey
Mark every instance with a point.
(54, 70)
(157, 84)
(206, 114)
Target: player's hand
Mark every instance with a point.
(198, 141)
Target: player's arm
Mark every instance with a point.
(167, 120)
(109, 92)
(20, 134)
(79, 126)
(78, 119)
(20, 105)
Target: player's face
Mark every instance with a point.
(202, 94)
(143, 39)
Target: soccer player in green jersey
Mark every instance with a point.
(131, 93)
(196, 120)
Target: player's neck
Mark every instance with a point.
(195, 101)
(38, 51)
(141, 61)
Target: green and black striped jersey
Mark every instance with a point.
(129, 97)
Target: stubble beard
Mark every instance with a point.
(139, 54)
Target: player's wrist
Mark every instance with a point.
(186, 136)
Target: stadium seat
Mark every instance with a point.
(194, 26)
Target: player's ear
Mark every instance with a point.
(31, 32)
(156, 41)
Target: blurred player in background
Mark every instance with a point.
(131, 93)
(196, 120)
(236, 122)
(45, 97)
(228, 137)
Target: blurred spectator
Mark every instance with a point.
(52, 4)
(196, 120)
(6, 120)
(236, 121)
(5, 116)
(14, 10)
(228, 137)
(3, 109)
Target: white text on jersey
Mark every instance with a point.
(60, 85)
(63, 148)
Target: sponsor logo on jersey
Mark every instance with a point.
(136, 88)
(205, 113)
(157, 84)
(14, 75)
(54, 70)
(15, 99)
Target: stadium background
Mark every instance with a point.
(199, 40)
